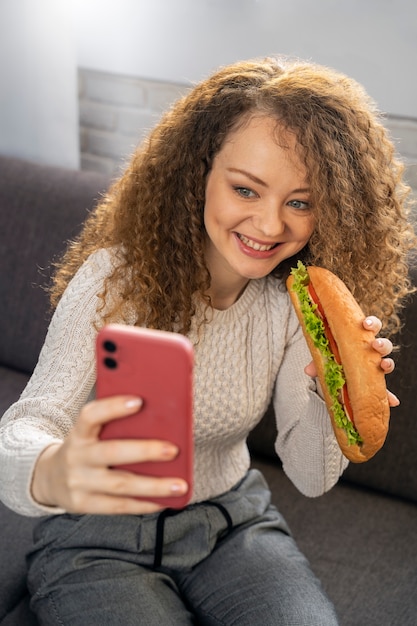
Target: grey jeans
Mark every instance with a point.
(230, 561)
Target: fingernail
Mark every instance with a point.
(133, 403)
(169, 450)
(369, 321)
(178, 488)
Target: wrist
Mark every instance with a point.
(41, 487)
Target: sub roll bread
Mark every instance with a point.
(349, 369)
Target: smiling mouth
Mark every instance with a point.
(255, 245)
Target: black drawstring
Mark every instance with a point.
(159, 539)
(160, 528)
(225, 512)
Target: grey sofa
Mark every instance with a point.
(361, 537)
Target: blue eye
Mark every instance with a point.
(245, 192)
(299, 204)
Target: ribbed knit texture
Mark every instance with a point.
(246, 354)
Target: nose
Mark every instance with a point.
(270, 221)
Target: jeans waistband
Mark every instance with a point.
(160, 528)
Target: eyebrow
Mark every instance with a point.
(255, 179)
(259, 181)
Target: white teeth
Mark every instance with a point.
(254, 245)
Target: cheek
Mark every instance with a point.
(211, 204)
(218, 214)
(306, 230)
(208, 217)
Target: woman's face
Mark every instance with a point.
(257, 210)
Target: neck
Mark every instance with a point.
(223, 297)
(226, 286)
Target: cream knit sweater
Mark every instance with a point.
(248, 353)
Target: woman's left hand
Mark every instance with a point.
(381, 345)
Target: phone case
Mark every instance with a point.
(156, 366)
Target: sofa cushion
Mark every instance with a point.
(11, 386)
(34, 228)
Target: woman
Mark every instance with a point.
(263, 163)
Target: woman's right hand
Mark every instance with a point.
(77, 475)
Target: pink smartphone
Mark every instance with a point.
(156, 366)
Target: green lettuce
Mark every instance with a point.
(333, 372)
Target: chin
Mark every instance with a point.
(256, 275)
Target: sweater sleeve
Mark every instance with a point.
(60, 385)
(306, 443)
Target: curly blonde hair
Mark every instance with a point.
(153, 215)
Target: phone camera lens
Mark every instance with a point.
(109, 346)
(110, 363)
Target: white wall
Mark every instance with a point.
(38, 82)
(375, 41)
(181, 40)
